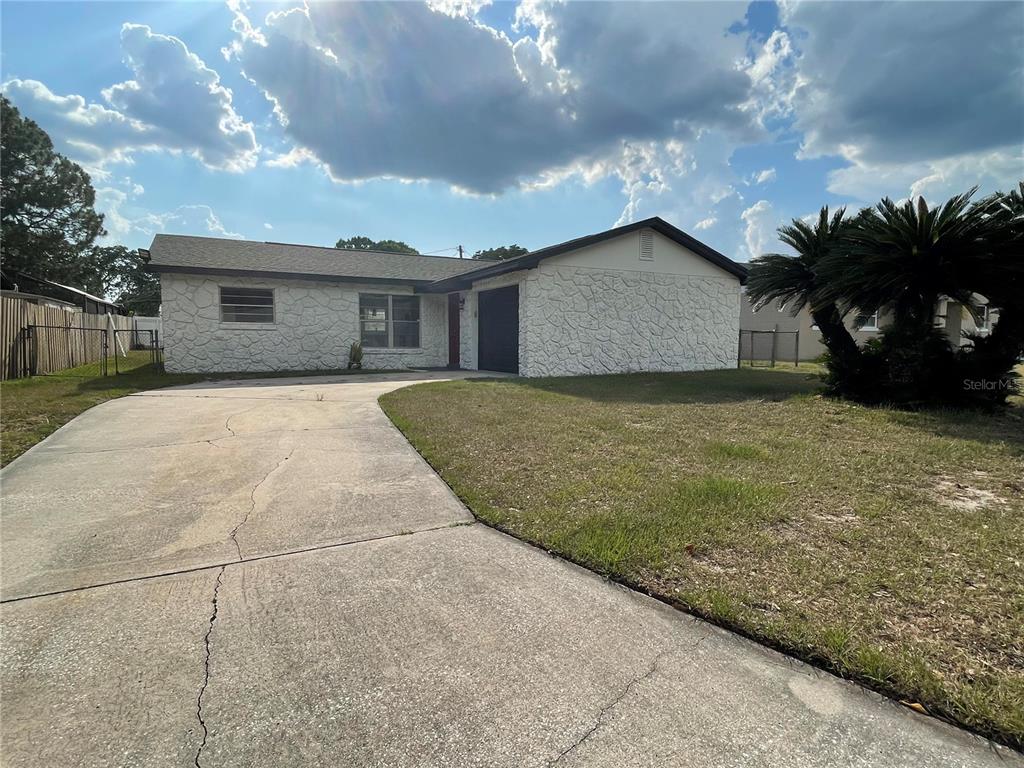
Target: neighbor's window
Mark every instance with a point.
(867, 321)
(389, 321)
(247, 305)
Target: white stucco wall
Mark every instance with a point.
(467, 331)
(594, 321)
(315, 322)
(602, 309)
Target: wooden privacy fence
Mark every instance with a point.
(56, 333)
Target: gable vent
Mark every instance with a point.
(646, 245)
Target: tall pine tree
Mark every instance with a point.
(47, 220)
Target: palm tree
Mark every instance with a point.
(907, 256)
(796, 282)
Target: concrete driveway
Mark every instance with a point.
(264, 573)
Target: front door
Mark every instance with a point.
(454, 329)
(498, 329)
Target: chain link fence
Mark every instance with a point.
(763, 349)
(135, 349)
(51, 350)
(69, 351)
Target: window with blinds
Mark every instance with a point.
(247, 305)
(389, 321)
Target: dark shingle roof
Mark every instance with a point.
(183, 253)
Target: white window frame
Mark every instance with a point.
(253, 323)
(389, 320)
(871, 324)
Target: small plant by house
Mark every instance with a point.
(355, 356)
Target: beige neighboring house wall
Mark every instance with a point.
(951, 316)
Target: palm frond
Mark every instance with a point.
(793, 279)
(905, 256)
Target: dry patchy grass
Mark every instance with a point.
(886, 546)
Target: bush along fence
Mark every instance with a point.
(37, 340)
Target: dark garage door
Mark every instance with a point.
(498, 329)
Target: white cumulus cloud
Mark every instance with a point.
(174, 102)
(127, 221)
(912, 95)
(573, 93)
(760, 224)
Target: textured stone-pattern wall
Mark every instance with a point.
(467, 331)
(314, 325)
(592, 321)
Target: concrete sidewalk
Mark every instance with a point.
(266, 573)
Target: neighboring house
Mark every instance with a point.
(19, 282)
(956, 319)
(643, 297)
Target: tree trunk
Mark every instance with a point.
(835, 334)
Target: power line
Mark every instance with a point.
(440, 250)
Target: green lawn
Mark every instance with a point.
(31, 409)
(885, 546)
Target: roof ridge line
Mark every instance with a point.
(356, 250)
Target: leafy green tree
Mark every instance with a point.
(127, 280)
(795, 280)
(503, 253)
(47, 220)
(360, 243)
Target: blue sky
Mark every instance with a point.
(479, 124)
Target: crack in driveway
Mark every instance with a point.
(206, 668)
(227, 421)
(599, 720)
(252, 502)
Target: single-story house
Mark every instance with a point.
(14, 283)
(641, 297)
